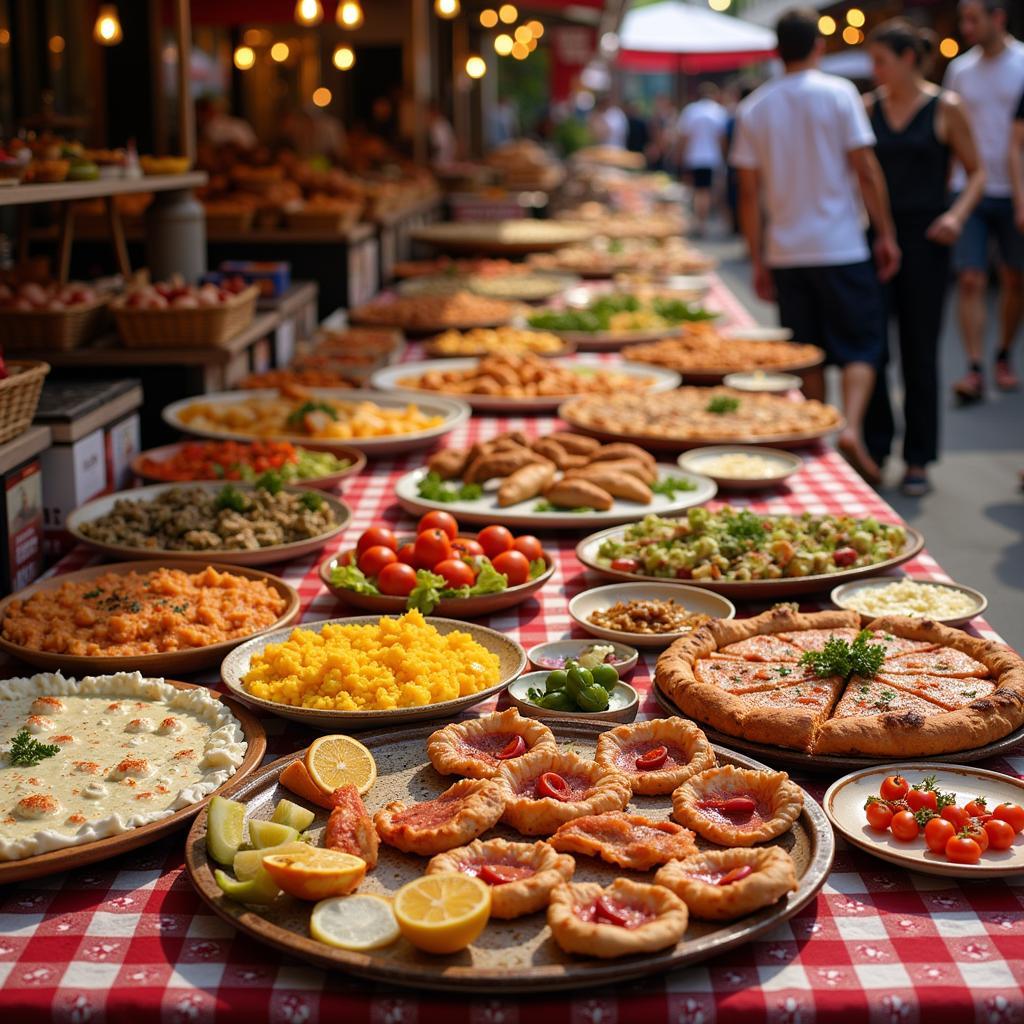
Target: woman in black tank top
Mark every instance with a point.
(919, 130)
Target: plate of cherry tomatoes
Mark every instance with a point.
(438, 570)
(939, 819)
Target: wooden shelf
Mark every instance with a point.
(68, 191)
(283, 236)
(24, 447)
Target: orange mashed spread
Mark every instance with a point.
(142, 613)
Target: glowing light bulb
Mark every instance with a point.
(827, 25)
(949, 48)
(107, 30)
(855, 17)
(852, 36)
(476, 67)
(503, 44)
(350, 14)
(245, 57)
(279, 52)
(508, 14)
(446, 8)
(536, 29)
(488, 18)
(309, 12)
(520, 51)
(344, 58)
(322, 96)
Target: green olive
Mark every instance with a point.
(593, 698)
(555, 681)
(606, 676)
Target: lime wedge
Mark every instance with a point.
(225, 823)
(260, 891)
(292, 815)
(270, 833)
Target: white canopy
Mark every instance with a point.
(673, 34)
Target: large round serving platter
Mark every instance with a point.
(448, 607)
(658, 443)
(801, 761)
(711, 375)
(510, 956)
(751, 590)
(357, 462)
(844, 805)
(449, 284)
(430, 349)
(614, 341)
(360, 317)
(502, 238)
(512, 659)
(402, 377)
(166, 663)
(73, 857)
(455, 413)
(243, 556)
(486, 510)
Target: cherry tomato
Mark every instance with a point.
(1000, 834)
(956, 816)
(376, 536)
(894, 787)
(514, 565)
(502, 874)
(552, 785)
(1012, 814)
(625, 564)
(879, 815)
(431, 547)
(528, 545)
(904, 826)
(978, 834)
(397, 579)
(439, 521)
(466, 547)
(730, 805)
(977, 808)
(652, 760)
(736, 874)
(515, 747)
(844, 556)
(937, 833)
(962, 850)
(372, 560)
(919, 799)
(456, 573)
(407, 554)
(606, 910)
(494, 540)
(347, 557)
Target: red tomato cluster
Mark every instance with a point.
(438, 548)
(962, 833)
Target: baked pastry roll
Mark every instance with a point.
(624, 919)
(545, 789)
(478, 747)
(721, 885)
(629, 840)
(738, 806)
(636, 751)
(522, 876)
(461, 813)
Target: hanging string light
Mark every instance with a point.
(107, 30)
(446, 8)
(350, 14)
(280, 52)
(245, 57)
(344, 58)
(309, 12)
(476, 66)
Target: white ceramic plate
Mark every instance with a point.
(699, 460)
(485, 509)
(401, 377)
(842, 594)
(623, 702)
(844, 805)
(557, 651)
(455, 413)
(693, 599)
(755, 333)
(762, 380)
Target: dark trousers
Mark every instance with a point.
(915, 299)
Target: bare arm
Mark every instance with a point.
(752, 226)
(946, 229)
(875, 194)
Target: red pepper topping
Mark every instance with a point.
(734, 805)
(736, 874)
(552, 785)
(502, 874)
(652, 760)
(605, 910)
(515, 747)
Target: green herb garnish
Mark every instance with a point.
(313, 500)
(671, 484)
(546, 506)
(722, 404)
(296, 416)
(232, 498)
(433, 488)
(27, 751)
(95, 592)
(271, 481)
(839, 658)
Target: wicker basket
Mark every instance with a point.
(185, 328)
(33, 329)
(19, 396)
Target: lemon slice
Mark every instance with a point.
(334, 761)
(443, 913)
(225, 821)
(354, 922)
(315, 874)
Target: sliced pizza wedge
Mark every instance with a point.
(789, 716)
(815, 639)
(940, 661)
(949, 692)
(736, 676)
(764, 647)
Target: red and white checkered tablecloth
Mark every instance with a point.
(128, 939)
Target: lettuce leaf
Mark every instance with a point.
(427, 593)
(488, 581)
(351, 577)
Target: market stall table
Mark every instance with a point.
(130, 936)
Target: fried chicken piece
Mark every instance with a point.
(350, 827)
(629, 840)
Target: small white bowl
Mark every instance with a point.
(756, 333)
(559, 650)
(623, 702)
(841, 597)
(759, 381)
(698, 460)
(694, 599)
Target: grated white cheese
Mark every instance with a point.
(908, 597)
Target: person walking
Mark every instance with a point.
(919, 129)
(701, 132)
(803, 150)
(990, 79)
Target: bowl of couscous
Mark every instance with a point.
(370, 671)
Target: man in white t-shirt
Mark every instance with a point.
(608, 124)
(701, 130)
(803, 150)
(990, 78)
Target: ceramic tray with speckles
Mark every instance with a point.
(509, 954)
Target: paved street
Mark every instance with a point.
(973, 521)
